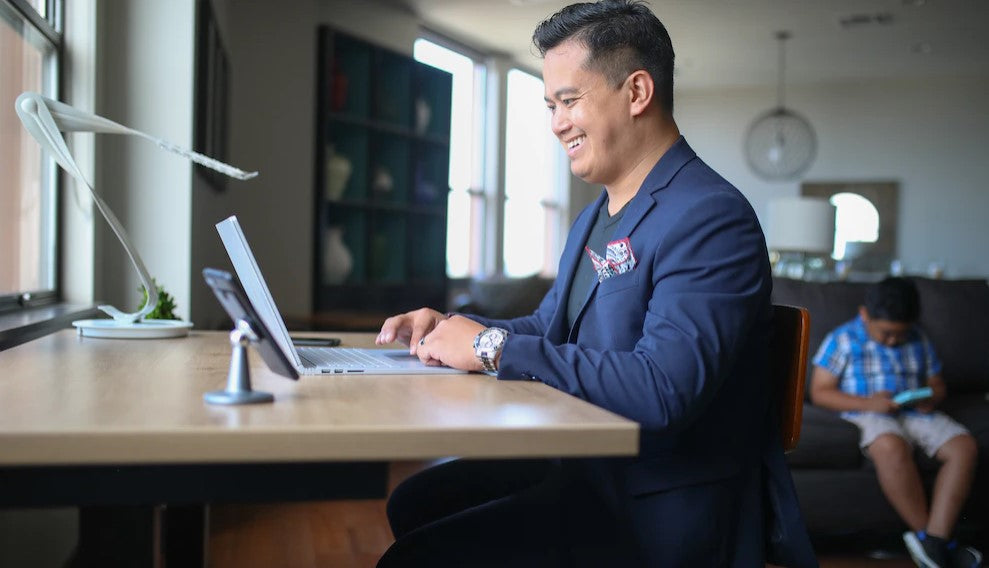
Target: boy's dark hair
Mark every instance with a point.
(621, 36)
(893, 299)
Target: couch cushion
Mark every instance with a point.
(972, 411)
(955, 315)
(826, 442)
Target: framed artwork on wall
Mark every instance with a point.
(865, 220)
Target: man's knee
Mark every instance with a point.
(960, 449)
(891, 449)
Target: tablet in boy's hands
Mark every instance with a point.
(910, 397)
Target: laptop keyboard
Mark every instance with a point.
(343, 358)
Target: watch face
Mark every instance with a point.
(489, 339)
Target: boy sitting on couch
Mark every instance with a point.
(858, 370)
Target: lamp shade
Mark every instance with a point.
(801, 224)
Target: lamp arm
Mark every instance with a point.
(71, 119)
(40, 123)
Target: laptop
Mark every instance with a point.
(311, 360)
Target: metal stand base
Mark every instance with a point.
(238, 389)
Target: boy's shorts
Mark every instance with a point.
(927, 431)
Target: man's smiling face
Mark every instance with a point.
(589, 116)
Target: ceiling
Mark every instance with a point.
(722, 43)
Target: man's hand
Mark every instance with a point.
(881, 402)
(409, 327)
(451, 343)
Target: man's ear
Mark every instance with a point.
(864, 313)
(640, 88)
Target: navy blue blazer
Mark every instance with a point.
(680, 345)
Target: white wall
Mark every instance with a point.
(145, 75)
(931, 137)
(272, 129)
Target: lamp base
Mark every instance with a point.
(145, 329)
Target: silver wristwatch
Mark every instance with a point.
(488, 344)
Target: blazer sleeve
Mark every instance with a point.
(709, 282)
(534, 324)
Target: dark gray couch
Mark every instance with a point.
(837, 486)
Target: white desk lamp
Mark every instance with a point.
(45, 119)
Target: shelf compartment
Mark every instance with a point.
(348, 78)
(346, 156)
(431, 176)
(392, 86)
(388, 248)
(427, 238)
(432, 102)
(352, 224)
(389, 168)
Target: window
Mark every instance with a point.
(466, 200)
(535, 182)
(856, 221)
(29, 44)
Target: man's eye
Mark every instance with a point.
(569, 102)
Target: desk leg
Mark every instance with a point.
(142, 536)
(185, 535)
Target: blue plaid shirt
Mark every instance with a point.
(864, 366)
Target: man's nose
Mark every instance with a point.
(560, 122)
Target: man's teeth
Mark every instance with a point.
(574, 143)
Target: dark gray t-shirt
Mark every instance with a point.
(585, 277)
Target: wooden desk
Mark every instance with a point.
(101, 422)
(69, 400)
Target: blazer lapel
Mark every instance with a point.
(569, 261)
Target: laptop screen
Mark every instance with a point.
(254, 285)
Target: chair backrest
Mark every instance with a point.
(788, 367)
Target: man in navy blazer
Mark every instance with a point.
(660, 313)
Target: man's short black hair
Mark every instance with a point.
(621, 36)
(893, 299)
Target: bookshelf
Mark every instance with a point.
(382, 163)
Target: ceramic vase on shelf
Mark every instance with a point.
(383, 181)
(338, 169)
(337, 260)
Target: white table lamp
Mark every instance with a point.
(45, 119)
(800, 225)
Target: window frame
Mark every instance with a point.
(50, 28)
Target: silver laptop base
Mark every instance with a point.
(238, 389)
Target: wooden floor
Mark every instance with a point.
(353, 534)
